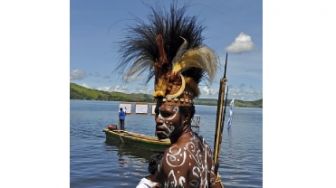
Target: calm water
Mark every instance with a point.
(96, 164)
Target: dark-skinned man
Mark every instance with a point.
(170, 47)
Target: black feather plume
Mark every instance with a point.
(139, 50)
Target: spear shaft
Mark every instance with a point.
(220, 116)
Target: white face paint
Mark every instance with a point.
(167, 126)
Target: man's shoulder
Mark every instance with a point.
(175, 156)
(178, 154)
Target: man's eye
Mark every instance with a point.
(165, 113)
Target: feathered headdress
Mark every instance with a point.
(170, 47)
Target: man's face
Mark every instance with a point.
(168, 121)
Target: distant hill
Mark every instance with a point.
(256, 103)
(83, 93)
(80, 92)
(238, 103)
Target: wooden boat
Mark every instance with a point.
(132, 139)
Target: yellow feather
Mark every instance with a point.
(160, 88)
(203, 58)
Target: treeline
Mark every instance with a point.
(83, 93)
(80, 92)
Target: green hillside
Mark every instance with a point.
(83, 93)
(238, 103)
(256, 103)
(80, 92)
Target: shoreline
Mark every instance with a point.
(82, 93)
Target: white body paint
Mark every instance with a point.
(176, 157)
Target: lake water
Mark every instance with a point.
(95, 164)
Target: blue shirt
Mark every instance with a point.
(122, 115)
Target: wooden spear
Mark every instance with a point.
(220, 117)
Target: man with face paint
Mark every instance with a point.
(171, 48)
(188, 161)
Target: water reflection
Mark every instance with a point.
(129, 151)
(121, 161)
(230, 146)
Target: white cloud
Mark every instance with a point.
(242, 43)
(77, 74)
(125, 88)
(104, 88)
(143, 89)
(85, 85)
(244, 93)
(208, 91)
(117, 88)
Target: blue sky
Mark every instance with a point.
(96, 27)
(298, 61)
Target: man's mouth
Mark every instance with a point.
(162, 131)
(161, 135)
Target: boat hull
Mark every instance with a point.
(136, 140)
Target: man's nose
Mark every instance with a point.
(158, 119)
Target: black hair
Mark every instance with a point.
(188, 109)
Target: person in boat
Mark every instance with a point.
(171, 48)
(122, 116)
